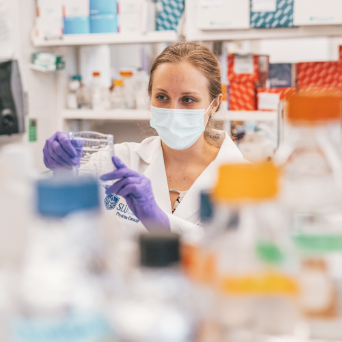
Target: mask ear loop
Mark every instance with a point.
(206, 113)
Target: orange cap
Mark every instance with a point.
(239, 182)
(126, 73)
(314, 105)
(96, 74)
(118, 83)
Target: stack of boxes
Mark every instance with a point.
(76, 17)
(245, 74)
(49, 21)
(103, 16)
(282, 81)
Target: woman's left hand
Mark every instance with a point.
(137, 191)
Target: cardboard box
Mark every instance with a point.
(269, 98)
(46, 28)
(169, 13)
(76, 8)
(227, 14)
(103, 6)
(282, 75)
(242, 96)
(271, 13)
(319, 74)
(104, 23)
(248, 68)
(130, 23)
(130, 6)
(76, 25)
(318, 12)
(49, 9)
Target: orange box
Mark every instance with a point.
(248, 68)
(319, 75)
(282, 94)
(242, 96)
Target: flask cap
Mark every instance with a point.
(159, 249)
(245, 182)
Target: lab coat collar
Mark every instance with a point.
(229, 153)
(148, 149)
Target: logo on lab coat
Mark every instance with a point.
(111, 201)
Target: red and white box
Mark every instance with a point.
(248, 68)
(242, 96)
(269, 98)
(319, 74)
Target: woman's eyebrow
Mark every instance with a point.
(161, 89)
(191, 93)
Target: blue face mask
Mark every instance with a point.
(178, 128)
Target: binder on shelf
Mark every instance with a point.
(169, 12)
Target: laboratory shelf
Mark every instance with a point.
(270, 33)
(112, 115)
(108, 38)
(136, 115)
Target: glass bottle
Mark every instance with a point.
(117, 95)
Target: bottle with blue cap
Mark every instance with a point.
(60, 292)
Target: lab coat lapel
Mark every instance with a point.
(229, 153)
(156, 173)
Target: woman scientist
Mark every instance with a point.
(160, 179)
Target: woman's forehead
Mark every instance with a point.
(182, 77)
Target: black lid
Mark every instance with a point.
(159, 249)
(206, 210)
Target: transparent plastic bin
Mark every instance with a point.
(95, 152)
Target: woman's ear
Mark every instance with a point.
(216, 103)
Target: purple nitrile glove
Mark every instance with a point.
(59, 153)
(137, 191)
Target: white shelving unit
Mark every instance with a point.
(138, 115)
(108, 38)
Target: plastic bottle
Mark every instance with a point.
(129, 95)
(117, 95)
(311, 188)
(96, 91)
(254, 272)
(60, 284)
(142, 102)
(156, 305)
(83, 97)
(74, 86)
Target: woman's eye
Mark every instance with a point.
(188, 100)
(161, 97)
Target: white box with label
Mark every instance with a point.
(130, 23)
(130, 6)
(317, 12)
(49, 9)
(76, 8)
(222, 14)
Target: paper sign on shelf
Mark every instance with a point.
(268, 101)
(264, 5)
(243, 65)
(211, 3)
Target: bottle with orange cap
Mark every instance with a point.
(127, 77)
(254, 274)
(116, 97)
(311, 192)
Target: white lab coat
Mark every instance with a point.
(147, 158)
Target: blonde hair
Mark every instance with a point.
(197, 55)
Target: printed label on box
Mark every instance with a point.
(264, 5)
(268, 101)
(243, 65)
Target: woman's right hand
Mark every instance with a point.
(59, 152)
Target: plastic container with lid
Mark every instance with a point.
(129, 89)
(96, 91)
(311, 191)
(156, 304)
(117, 95)
(254, 271)
(60, 285)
